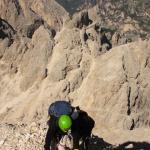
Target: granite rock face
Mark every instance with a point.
(47, 54)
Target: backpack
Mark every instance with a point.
(59, 108)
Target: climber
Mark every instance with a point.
(59, 123)
(67, 126)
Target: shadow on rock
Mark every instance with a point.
(96, 143)
(133, 146)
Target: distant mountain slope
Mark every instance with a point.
(73, 6)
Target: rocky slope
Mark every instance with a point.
(46, 54)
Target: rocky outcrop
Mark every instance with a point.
(46, 55)
(51, 12)
(25, 13)
(118, 79)
(113, 88)
(34, 62)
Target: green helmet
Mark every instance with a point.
(64, 122)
